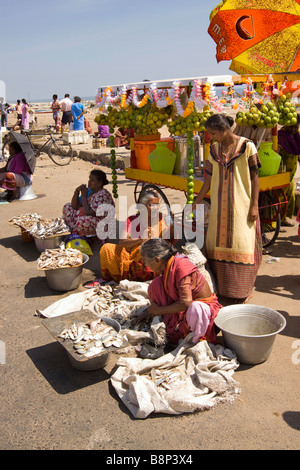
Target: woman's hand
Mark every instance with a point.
(154, 309)
(79, 189)
(84, 190)
(143, 317)
(253, 213)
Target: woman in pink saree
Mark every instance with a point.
(25, 115)
(180, 294)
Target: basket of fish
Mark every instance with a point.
(49, 235)
(87, 338)
(45, 232)
(63, 267)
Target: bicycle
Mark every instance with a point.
(60, 152)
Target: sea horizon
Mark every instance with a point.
(36, 101)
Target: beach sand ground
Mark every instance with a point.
(46, 404)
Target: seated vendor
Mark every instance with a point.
(103, 131)
(123, 261)
(180, 294)
(80, 213)
(16, 173)
(121, 138)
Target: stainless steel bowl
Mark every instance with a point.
(65, 279)
(250, 331)
(48, 243)
(55, 325)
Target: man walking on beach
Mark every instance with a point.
(65, 105)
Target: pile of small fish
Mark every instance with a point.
(60, 258)
(25, 221)
(93, 338)
(109, 301)
(56, 226)
(168, 379)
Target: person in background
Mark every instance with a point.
(55, 109)
(19, 113)
(121, 138)
(103, 131)
(66, 105)
(77, 110)
(31, 118)
(233, 240)
(87, 126)
(179, 293)
(3, 109)
(80, 213)
(289, 149)
(25, 114)
(19, 110)
(16, 173)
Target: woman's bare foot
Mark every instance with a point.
(248, 298)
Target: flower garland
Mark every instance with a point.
(200, 97)
(160, 103)
(135, 100)
(190, 106)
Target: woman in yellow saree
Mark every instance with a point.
(233, 240)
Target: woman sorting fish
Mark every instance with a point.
(180, 294)
(80, 213)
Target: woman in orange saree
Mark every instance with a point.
(180, 294)
(123, 261)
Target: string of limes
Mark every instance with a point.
(113, 163)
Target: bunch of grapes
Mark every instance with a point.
(194, 122)
(124, 118)
(101, 119)
(115, 118)
(149, 119)
(287, 112)
(267, 116)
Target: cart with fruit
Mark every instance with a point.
(183, 106)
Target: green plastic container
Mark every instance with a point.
(270, 160)
(162, 159)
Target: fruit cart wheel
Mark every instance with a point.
(270, 220)
(281, 196)
(137, 190)
(163, 200)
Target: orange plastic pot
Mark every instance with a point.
(143, 148)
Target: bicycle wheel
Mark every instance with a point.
(61, 153)
(270, 220)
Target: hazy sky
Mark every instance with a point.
(74, 46)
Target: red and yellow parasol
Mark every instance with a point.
(257, 35)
